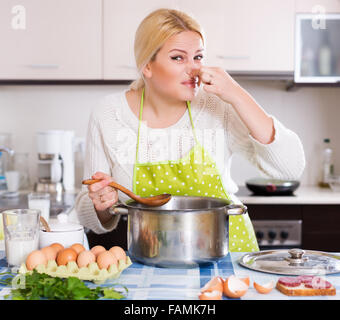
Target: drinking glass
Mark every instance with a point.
(40, 201)
(21, 230)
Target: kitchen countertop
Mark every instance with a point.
(303, 195)
(64, 204)
(152, 283)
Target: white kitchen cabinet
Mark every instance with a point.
(243, 35)
(255, 36)
(121, 20)
(317, 6)
(51, 39)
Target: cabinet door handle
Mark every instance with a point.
(232, 57)
(42, 66)
(127, 67)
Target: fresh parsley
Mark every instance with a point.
(38, 286)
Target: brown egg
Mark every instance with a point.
(118, 252)
(49, 252)
(85, 258)
(77, 247)
(57, 247)
(35, 258)
(97, 249)
(106, 259)
(66, 255)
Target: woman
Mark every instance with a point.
(176, 128)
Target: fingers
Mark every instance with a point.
(102, 195)
(98, 185)
(104, 198)
(105, 180)
(102, 206)
(101, 175)
(107, 196)
(206, 78)
(206, 75)
(101, 192)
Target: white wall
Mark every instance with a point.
(313, 113)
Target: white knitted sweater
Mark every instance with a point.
(112, 136)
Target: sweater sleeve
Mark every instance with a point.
(283, 158)
(95, 160)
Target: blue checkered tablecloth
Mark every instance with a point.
(152, 283)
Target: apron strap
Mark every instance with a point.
(139, 123)
(140, 120)
(192, 122)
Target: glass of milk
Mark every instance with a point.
(41, 201)
(21, 230)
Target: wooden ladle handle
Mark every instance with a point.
(114, 185)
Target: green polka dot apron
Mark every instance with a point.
(195, 174)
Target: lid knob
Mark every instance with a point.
(296, 256)
(296, 253)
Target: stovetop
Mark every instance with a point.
(245, 192)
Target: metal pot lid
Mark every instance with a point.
(292, 262)
(276, 182)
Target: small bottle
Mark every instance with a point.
(325, 57)
(3, 185)
(327, 164)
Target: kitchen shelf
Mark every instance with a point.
(64, 82)
(293, 86)
(244, 75)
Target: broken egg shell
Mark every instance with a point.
(265, 288)
(234, 287)
(210, 295)
(215, 284)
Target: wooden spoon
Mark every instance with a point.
(154, 201)
(45, 224)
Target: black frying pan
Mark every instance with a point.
(272, 187)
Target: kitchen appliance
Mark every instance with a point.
(275, 234)
(272, 187)
(292, 262)
(56, 167)
(183, 233)
(317, 48)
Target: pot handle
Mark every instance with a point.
(119, 208)
(236, 209)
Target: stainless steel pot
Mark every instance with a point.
(185, 232)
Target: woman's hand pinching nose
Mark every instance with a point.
(219, 82)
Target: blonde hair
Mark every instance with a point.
(154, 31)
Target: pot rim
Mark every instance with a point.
(225, 203)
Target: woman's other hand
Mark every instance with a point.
(102, 195)
(220, 83)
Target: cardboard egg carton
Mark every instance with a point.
(89, 273)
